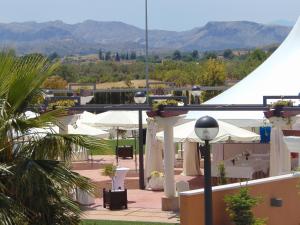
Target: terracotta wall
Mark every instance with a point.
(283, 187)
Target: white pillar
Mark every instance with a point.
(169, 162)
(167, 124)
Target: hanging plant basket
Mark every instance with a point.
(291, 133)
(165, 113)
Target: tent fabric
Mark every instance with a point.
(191, 159)
(280, 160)
(87, 118)
(227, 132)
(278, 75)
(124, 120)
(153, 158)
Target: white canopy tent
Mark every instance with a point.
(278, 75)
(227, 132)
(185, 133)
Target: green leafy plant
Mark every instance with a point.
(35, 176)
(282, 103)
(239, 208)
(156, 174)
(222, 174)
(66, 103)
(109, 170)
(159, 106)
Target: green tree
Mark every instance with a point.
(117, 57)
(55, 82)
(100, 54)
(239, 207)
(228, 54)
(213, 74)
(34, 184)
(132, 55)
(107, 55)
(195, 54)
(209, 55)
(176, 55)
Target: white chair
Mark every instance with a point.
(182, 186)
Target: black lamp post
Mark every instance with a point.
(207, 128)
(196, 92)
(140, 98)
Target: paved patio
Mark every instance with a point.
(143, 205)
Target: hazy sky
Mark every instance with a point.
(163, 14)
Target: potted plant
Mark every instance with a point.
(222, 179)
(276, 108)
(158, 109)
(110, 171)
(239, 208)
(156, 181)
(114, 199)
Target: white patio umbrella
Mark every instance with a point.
(80, 128)
(125, 120)
(227, 132)
(87, 118)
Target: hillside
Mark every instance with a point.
(89, 36)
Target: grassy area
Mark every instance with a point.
(112, 146)
(109, 222)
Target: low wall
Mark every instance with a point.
(283, 187)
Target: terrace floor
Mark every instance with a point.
(143, 205)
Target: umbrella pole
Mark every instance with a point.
(135, 160)
(117, 146)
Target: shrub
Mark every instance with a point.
(222, 174)
(239, 207)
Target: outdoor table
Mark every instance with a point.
(243, 168)
(119, 178)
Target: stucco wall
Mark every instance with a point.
(283, 187)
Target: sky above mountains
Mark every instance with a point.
(175, 15)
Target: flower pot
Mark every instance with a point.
(291, 133)
(165, 113)
(156, 183)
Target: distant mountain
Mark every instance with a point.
(89, 36)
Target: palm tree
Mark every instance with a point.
(35, 178)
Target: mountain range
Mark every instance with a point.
(90, 36)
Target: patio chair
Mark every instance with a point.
(182, 186)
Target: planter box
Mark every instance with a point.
(280, 113)
(291, 133)
(165, 113)
(115, 199)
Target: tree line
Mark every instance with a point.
(209, 68)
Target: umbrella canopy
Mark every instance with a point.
(84, 129)
(124, 120)
(87, 118)
(227, 132)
